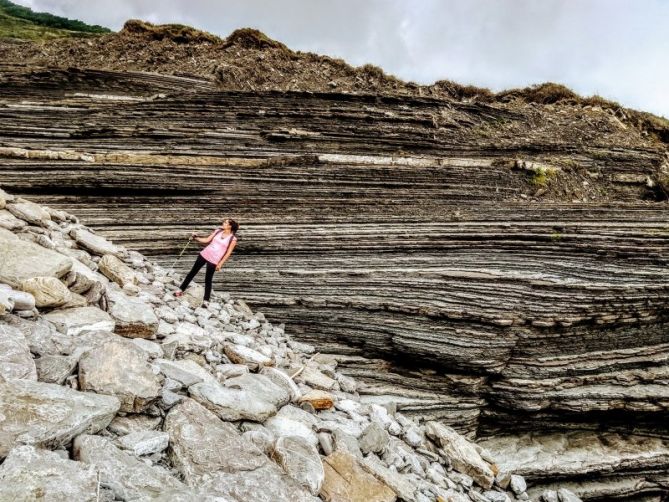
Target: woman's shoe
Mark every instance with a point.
(178, 293)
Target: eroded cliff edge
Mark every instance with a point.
(517, 253)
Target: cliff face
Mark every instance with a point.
(493, 260)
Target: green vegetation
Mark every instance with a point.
(17, 21)
(541, 175)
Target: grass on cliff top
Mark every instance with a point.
(21, 22)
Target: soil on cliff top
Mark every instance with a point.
(249, 60)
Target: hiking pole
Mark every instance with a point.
(182, 252)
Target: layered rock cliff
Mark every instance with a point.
(111, 388)
(477, 263)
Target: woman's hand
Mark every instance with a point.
(193, 235)
(219, 266)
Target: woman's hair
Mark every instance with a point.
(234, 226)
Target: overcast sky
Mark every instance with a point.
(616, 48)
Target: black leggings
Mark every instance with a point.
(208, 276)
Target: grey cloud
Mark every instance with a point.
(616, 48)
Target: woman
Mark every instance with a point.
(221, 243)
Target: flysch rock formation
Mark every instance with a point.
(210, 406)
(500, 269)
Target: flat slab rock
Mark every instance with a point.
(246, 397)
(124, 474)
(30, 473)
(201, 444)
(120, 368)
(462, 454)
(23, 260)
(550, 455)
(15, 358)
(49, 415)
(73, 321)
(134, 318)
(347, 481)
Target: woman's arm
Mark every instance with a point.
(204, 240)
(231, 246)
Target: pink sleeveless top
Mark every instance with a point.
(217, 248)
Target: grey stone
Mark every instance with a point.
(301, 461)
(23, 260)
(343, 441)
(120, 368)
(247, 397)
(49, 415)
(185, 371)
(55, 369)
(461, 453)
(145, 442)
(76, 320)
(30, 474)
(123, 425)
(29, 212)
(134, 318)
(566, 495)
(94, 243)
(518, 484)
(124, 474)
(374, 439)
(15, 358)
(240, 354)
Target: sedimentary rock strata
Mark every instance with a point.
(517, 254)
(93, 413)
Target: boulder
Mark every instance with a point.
(247, 397)
(49, 415)
(145, 442)
(15, 358)
(194, 295)
(10, 222)
(301, 461)
(462, 454)
(29, 212)
(200, 444)
(347, 481)
(240, 354)
(185, 371)
(124, 474)
(74, 321)
(81, 278)
(404, 485)
(23, 260)
(50, 292)
(120, 368)
(23, 300)
(189, 337)
(55, 368)
(291, 421)
(315, 378)
(115, 270)
(29, 473)
(94, 243)
(374, 439)
(134, 318)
